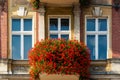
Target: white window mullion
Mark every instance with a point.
(22, 47)
(98, 31)
(21, 33)
(59, 27)
(96, 38)
(22, 25)
(96, 46)
(96, 21)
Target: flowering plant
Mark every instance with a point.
(35, 3)
(59, 56)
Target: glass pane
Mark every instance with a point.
(27, 24)
(65, 36)
(64, 24)
(91, 45)
(16, 41)
(54, 24)
(16, 24)
(102, 46)
(53, 36)
(27, 45)
(102, 24)
(90, 24)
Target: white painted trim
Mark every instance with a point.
(21, 33)
(33, 31)
(96, 47)
(96, 39)
(10, 39)
(59, 32)
(22, 47)
(98, 32)
(108, 36)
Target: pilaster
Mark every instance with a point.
(3, 66)
(3, 29)
(77, 22)
(115, 66)
(41, 23)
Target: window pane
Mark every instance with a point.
(16, 41)
(102, 46)
(91, 45)
(65, 36)
(64, 24)
(53, 36)
(90, 24)
(102, 24)
(27, 45)
(16, 25)
(27, 24)
(54, 24)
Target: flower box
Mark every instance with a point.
(58, 77)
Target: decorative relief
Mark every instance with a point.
(98, 69)
(97, 11)
(18, 69)
(19, 2)
(41, 11)
(15, 4)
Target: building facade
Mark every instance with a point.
(21, 26)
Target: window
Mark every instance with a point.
(59, 28)
(97, 37)
(21, 38)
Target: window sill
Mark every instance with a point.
(95, 62)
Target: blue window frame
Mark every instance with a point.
(96, 38)
(21, 38)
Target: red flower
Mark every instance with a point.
(59, 56)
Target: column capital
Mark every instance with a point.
(76, 8)
(41, 10)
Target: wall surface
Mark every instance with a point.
(116, 33)
(3, 31)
